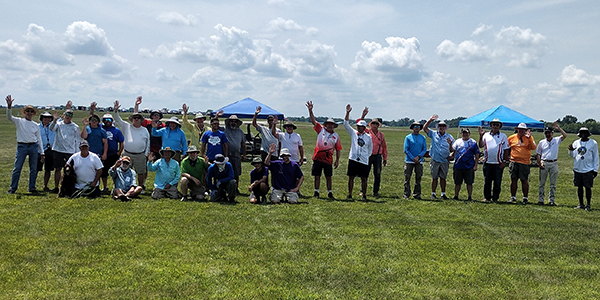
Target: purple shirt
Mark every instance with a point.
(285, 176)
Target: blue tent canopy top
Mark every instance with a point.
(508, 117)
(245, 108)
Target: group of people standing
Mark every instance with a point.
(498, 152)
(211, 163)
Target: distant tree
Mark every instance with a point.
(568, 119)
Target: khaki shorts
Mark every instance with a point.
(438, 169)
(277, 196)
(138, 162)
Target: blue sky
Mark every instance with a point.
(401, 58)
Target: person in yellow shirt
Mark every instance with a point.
(521, 144)
(196, 129)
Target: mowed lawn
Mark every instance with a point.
(385, 248)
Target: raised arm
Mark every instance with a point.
(563, 134)
(364, 113)
(309, 105)
(481, 133)
(9, 102)
(426, 126)
(272, 149)
(254, 123)
(348, 110)
(93, 107)
(136, 107)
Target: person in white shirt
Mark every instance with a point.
(29, 143)
(585, 165)
(495, 146)
(547, 159)
(293, 142)
(88, 168)
(361, 147)
(66, 141)
(136, 144)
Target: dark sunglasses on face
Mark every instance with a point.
(69, 114)
(107, 120)
(94, 120)
(29, 111)
(125, 162)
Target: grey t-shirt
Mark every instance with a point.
(268, 139)
(235, 138)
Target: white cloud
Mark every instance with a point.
(481, 29)
(572, 76)
(175, 18)
(315, 62)
(162, 75)
(512, 46)
(86, 38)
(282, 25)
(402, 59)
(467, 51)
(114, 67)
(45, 46)
(40, 82)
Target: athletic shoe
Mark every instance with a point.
(433, 197)
(105, 191)
(540, 203)
(579, 207)
(54, 190)
(444, 197)
(11, 192)
(470, 199)
(376, 195)
(35, 192)
(316, 194)
(349, 197)
(46, 190)
(184, 198)
(525, 201)
(330, 195)
(552, 203)
(405, 197)
(455, 198)
(588, 208)
(512, 200)
(486, 201)
(124, 198)
(417, 197)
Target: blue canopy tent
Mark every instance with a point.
(245, 108)
(508, 117)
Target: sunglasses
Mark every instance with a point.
(107, 120)
(29, 111)
(94, 120)
(135, 118)
(126, 162)
(69, 114)
(214, 123)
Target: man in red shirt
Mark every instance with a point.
(327, 141)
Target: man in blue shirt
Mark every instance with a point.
(115, 139)
(214, 142)
(286, 176)
(172, 136)
(466, 157)
(48, 137)
(220, 180)
(415, 147)
(439, 153)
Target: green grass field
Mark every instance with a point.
(386, 248)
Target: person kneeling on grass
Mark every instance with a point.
(124, 179)
(88, 168)
(286, 174)
(167, 174)
(220, 180)
(193, 174)
(259, 178)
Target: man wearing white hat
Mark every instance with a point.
(88, 168)
(439, 152)
(66, 142)
(495, 149)
(585, 165)
(361, 147)
(136, 143)
(172, 136)
(521, 144)
(48, 137)
(286, 176)
(328, 141)
(29, 143)
(220, 180)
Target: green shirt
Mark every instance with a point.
(198, 171)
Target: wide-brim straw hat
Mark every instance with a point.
(415, 124)
(23, 109)
(290, 124)
(220, 159)
(330, 120)
(199, 116)
(496, 120)
(136, 114)
(173, 120)
(192, 148)
(162, 151)
(256, 160)
(234, 118)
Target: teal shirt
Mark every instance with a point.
(165, 173)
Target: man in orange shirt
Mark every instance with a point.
(521, 144)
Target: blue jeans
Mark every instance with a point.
(24, 150)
